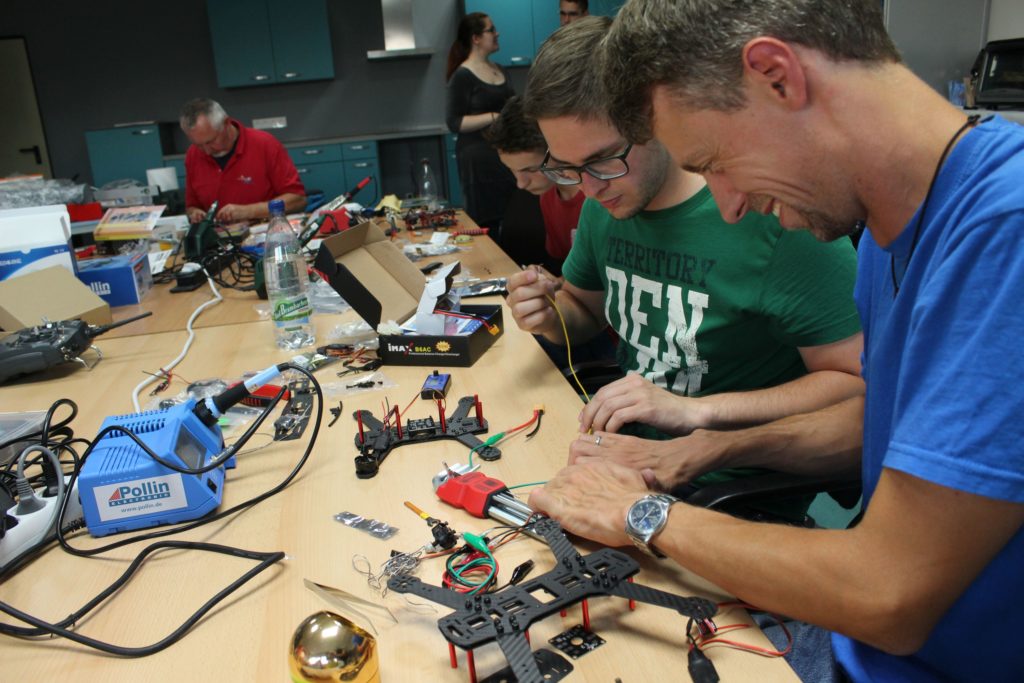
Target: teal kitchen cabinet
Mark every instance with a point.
(126, 152)
(515, 29)
(362, 160)
(544, 21)
(358, 169)
(320, 167)
(337, 167)
(607, 8)
(523, 29)
(270, 41)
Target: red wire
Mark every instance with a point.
(448, 580)
(525, 424)
(707, 641)
(416, 396)
(466, 316)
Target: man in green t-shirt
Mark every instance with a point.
(720, 325)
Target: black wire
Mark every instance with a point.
(60, 428)
(540, 414)
(241, 266)
(972, 120)
(44, 628)
(266, 559)
(237, 445)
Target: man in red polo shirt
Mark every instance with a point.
(239, 167)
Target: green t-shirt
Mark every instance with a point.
(702, 306)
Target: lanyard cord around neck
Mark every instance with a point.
(972, 120)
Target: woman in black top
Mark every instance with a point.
(477, 90)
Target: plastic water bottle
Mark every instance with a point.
(285, 272)
(428, 185)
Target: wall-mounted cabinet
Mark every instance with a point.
(127, 151)
(337, 167)
(270, 41)
(523, 27)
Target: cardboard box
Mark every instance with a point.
(118, 280)
(380, 283)
(53, 293)
(35, 238)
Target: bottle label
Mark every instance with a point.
(291, 309)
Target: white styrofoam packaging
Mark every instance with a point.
(35, 238)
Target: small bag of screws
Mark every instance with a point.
(375, 528)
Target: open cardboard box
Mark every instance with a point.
(53, 293)
(380, 283)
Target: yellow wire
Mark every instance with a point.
(568, 348)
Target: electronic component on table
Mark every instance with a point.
(481, 496)
(123, 488)
(436, 385)
(39, 348)
(376, 439)
(506, 615)
(202, 235)
(445, 537)
(312, 226)
(293, 419)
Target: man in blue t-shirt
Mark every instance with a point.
(802, 108)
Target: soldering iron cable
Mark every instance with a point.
(217, 298)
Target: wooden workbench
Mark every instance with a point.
(246, 638)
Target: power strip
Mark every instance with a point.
(32, 529)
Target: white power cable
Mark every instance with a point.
(217, 298)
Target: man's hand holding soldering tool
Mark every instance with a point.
(531, 294)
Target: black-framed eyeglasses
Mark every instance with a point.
(608, 168)
(492, 29)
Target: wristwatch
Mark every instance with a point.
(646, 518)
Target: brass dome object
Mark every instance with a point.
(329, 647)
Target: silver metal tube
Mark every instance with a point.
(512, 503)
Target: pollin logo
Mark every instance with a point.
(147, 490)
(100, 288)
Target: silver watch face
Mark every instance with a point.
(645, 516)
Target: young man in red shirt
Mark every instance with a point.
(522, 148)
(239, 167)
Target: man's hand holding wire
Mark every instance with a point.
(529, 297)
(635, 399)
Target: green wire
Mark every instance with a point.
(479, 544)
(532, 483)
(490, 442)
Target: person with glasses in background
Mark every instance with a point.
(477, 90)
(720, 325)
(521, 147)
(571, 10)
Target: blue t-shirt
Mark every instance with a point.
(944, 366)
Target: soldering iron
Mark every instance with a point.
(161, 466)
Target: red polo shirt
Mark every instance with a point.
(560, 219)
(259, 170)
